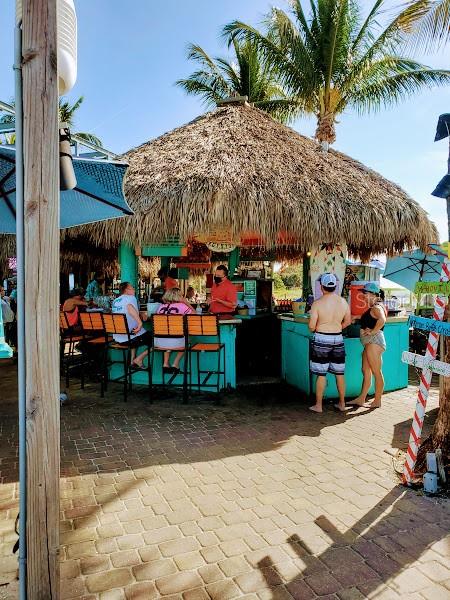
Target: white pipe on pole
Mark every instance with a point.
(21, 358)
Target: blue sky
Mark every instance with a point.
(130, 53)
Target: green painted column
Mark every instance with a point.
(128, 264)
(165, 262)
(233, 261)
(5, 350)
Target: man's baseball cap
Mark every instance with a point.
(328, 281)
(371, 288)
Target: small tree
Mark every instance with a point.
(278, 282)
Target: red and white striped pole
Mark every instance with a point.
(425, 382)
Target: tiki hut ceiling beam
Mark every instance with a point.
(237, 169)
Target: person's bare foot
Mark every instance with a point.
(359, 401)
(138, 364)
(315, 408)
(374, 404)
(341, 407)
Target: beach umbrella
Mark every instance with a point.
(442, 190)
(443, 127)
(411, 267)
(97, 196)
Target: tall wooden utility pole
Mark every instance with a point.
(41, 200)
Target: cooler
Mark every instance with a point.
(358, 300)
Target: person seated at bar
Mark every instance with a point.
(94, 289)
(173, 304)
(223, 293)
(72, 305)
(126, 304)
(191, 295)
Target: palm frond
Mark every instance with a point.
(428, 23)
(89, 137)
(390, 90)
(67, 111)
(247, 73)
(365, 30)
(284, 110)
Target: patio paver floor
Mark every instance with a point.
(242, 500)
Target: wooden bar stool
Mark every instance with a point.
(95, 342)
(170, 327)
(116, 324)
(69, 358)
(206, 326)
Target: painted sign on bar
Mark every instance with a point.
(432, 287)
(422, 362)
(439, 327)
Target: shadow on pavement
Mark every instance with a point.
(374, 552)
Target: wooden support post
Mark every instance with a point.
(41, 199)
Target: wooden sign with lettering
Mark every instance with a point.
(433, 287)
(439, 327)
(417, 360)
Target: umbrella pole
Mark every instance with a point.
(20, 316)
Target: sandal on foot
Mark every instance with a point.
(138, 367)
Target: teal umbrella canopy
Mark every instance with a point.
(411, 267)
(98, 195)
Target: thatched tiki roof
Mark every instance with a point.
(238, 170)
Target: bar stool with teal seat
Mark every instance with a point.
(205, 326)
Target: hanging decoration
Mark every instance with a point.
(329, 258)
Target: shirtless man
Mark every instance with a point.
(329, 316)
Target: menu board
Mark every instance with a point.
(250, 288)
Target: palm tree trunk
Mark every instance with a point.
(325, 131)
(440, 436)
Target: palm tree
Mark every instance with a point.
(247, 74)
(66, 115)
(334, 59)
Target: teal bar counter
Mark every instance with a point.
(208, 360)
(295, 340)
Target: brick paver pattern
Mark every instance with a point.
(244, 500)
